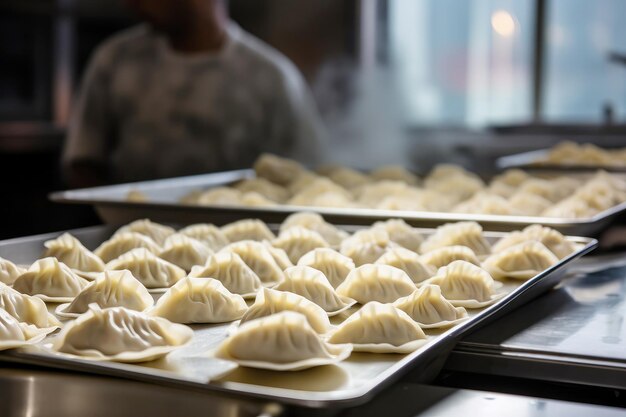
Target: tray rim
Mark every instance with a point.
(528, 161)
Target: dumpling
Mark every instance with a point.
(313, 285)
(264, 187)
(484, 203)
(331, 263)
(529, 204)
(521, 261)
(408, 261)
(231, 271)
(14, 334)
(446, 255)
(120, 243)
(280, 256)
(67, 249)
(219, 196)
(247, 229)
(269, 302)
(122, 335)
(283, 342)
(543, 188)
(149, 269)
(317, 189)
(51, 281)
(276, 169)
(552, 239)
(394, 173)
(428, 307)
(25, 308)
(110, 289)
(375, 282)
(199, 300)
(258, 258)
(466, 285)
(373, 193)
(401, 233)
(570, 208)
(9, 271)
(348, 178)
(208, 234)
(252, 199)
(185, 251)
(296, 241)
(468, 234)
(380, 328)
(366, 246)
(155, 231)
(316, 223)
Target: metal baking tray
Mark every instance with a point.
(112, 206)
(531, 160)
(349, 383)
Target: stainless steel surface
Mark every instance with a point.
(353, 381)
(575, 333)
(164, 195)
(532, 160)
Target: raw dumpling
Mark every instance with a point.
(149, 269)
(529, 204)
(348, 178)
(372, 194)
(283, 342)
(110, 289)
(428, 307)
(269, 302)
(521, 261)
(380, 328)
(276, 169)
(185, 251)
(258, 258)
(543, 188)
(25, 308)
(394, 173)
(408, 261)
(231, 271)
(252, 199)
(199, 300)
(247, 229)
(319, 189)
(552, 239)
(297, 241)
(446, 255)
(280, 256)
(67, 249)
(468, 234)
(316, 223)
(374, 282)
(14, 334)
(121, 243)
(265, 188)
(208, 234)
(366, 246)
(51, 281)
(313, 285)
(9, 271)
(155, 231)
(219, 196)
(484, 203)
(466, 285)
(401, 233)
(122, 335)
(331, 263)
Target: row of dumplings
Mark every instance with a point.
(586, 154)
(447, 188)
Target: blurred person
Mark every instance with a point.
(188, 92)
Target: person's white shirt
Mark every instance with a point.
(145, 111)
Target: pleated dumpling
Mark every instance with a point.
(263, 187)
(51, 281)
(276, 169)
(314, 286)
(258, 258)
(9, 271)
(529, 204)
(348, 178)
(446, 255)
(269, 302)
(155, 231)
(522, 261)
(313, 221)
(380, 328)
(394, 173)
(466, 285)
(120, 243)
(25, 308)
(401, 233)
(296, 241)
(428, 307)
(67, 249)
(232, 272)
(468, 234)
(14, 334)
(199, 300)
(552, 239)
(408, 261)
(366, 246)
(247, 229)
(185, 251)
(122, 335)
(331, 263)
(280, 256)
(211, 235)
(375, 282)
(283, 342)
(152, 271)
(109, 289)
